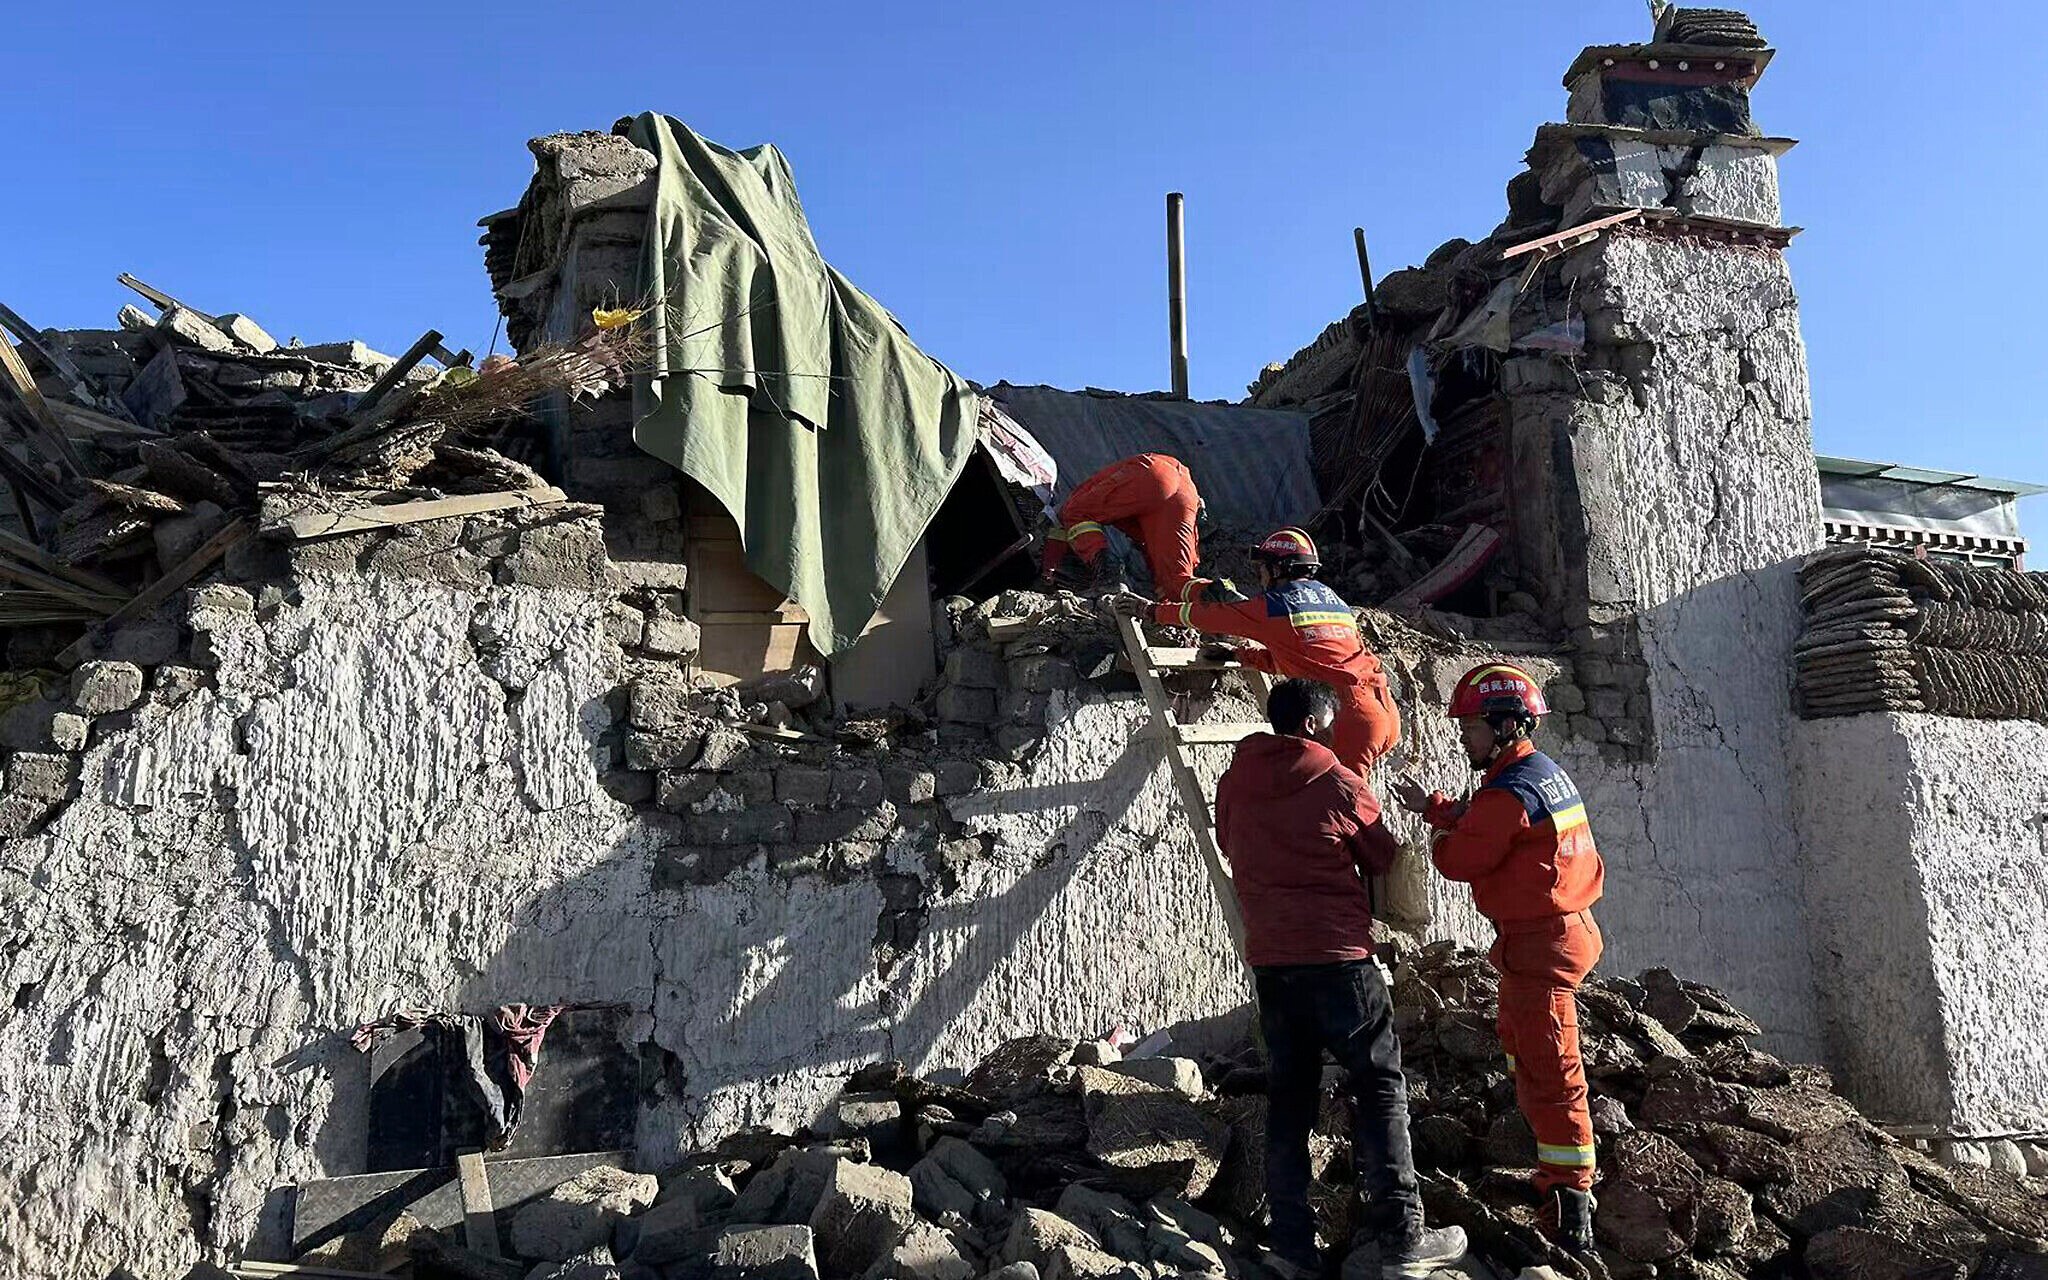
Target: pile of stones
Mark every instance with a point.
(1053, 1160)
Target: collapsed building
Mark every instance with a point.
(369, 719)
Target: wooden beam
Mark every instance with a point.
(1212, 735)
(479, 1218)
(91, 422)
(163, 301)
(32, 481)
(395, 375)
(29, 553)
(63, 590)
(159, 591)
(31, 337)
(324, 524)
(1571, 237)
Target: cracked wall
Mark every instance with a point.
(391, 791)
(1682, 491)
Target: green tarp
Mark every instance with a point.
(787, 392)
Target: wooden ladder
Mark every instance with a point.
(1149, 663)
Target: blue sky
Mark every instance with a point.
(995, 174)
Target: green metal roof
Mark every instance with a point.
(1863, 470)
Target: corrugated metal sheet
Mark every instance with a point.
(1252, 465)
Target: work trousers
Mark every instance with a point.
(1541, 965)
(1368, 726)
(1344, 1008)
(1152, 500)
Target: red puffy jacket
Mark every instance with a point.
(1300, 831)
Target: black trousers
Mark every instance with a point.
(1344, 1008)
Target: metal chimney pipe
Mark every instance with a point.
(1177, 292)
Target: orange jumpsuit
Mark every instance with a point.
(1151, 500)
(1305, 629)
(1523, 844)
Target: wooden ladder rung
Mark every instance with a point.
(1187, 660)
(1198, 735)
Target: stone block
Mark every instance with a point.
(859, 787)
(629, 786)
(2006, 1156)
(348, 353)
(924, 1253)
(656, 700)
(1043, 673)
(749, 786)
(1017, 741)
(1036, 1233)
(188, 328)
(1182, 1075)
(909, 785)
(788, 1190)
(102, 688)
(678, 791)
(954, 1179)
(1112, 1220)
(1096, 1053)
(764, 1253)
(69, 732)
(568, 555)
(973, 668)
(664, 749)
(626, 625)
(957, 777)
(690, 1210)
(803, 785)
(829, 825)
(581, 1214)
(762, 824)
(1014, 1271)
(723, 745)
(876, 1118)
(247, 332)
(672, 638)
(1018, 706)
(40, 775)
(146, 644)
(20, 815)
(862, 1214)
(1566, 699)
(1084, 1262)
(1156, 1135)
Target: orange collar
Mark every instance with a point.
(1508, 755)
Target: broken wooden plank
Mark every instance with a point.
(24, 386)
(322, 524)
(162, 300)
(31, 337)
(32, 481)
(253, 1270)
(66, 591)
(1213, 735)
(91, 422)
(1570, 237)
(777, 732)
(395, 375)
(31, 554)
(159, 591)
(479, 1219)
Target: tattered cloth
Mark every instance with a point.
(792, 396)
(500, 1051)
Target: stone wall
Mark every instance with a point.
(388, 790)
(1924, 843)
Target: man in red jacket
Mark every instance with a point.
(1151, 500)
(1301, 628)
(1301, 832)
(1523, 845)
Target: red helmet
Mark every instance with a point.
(1498, 689)
(1289, 548)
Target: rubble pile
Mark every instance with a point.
(1887, 632)
(1060, 1161)
(141, 456)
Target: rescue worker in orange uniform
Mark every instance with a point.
(1303, 630)
(1523, 844)
(1151, 500)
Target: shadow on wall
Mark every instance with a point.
(755, 994)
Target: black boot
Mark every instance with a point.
(1575, 1220)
